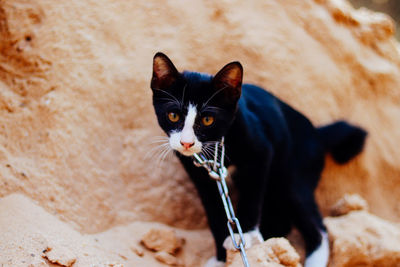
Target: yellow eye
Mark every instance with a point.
(173, 117)
(207, 120)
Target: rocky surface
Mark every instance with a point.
(30, 235)
(359, 238)
(162, 240)
(362, 239)
(275, 252)
(349, 202)
(77, 124)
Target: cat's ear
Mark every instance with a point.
(164, 72)
(229, 80)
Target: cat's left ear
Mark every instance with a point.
(229, 81)
(164, 72)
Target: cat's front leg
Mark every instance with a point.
(211, 200)
(250, 181)
(320, 256)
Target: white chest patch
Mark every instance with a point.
(185, 141)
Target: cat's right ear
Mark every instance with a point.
(229, 81)
(164, 72)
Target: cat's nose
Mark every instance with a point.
(187, 145)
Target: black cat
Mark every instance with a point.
(277, 152)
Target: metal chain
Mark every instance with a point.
(218, 172)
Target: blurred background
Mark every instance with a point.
(391, 7)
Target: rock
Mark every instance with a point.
(282, 252)
(251, 239)
(62, 257)
(349, 202)
(167, 258)
(274, 252)
(162, 240)
(362, 239)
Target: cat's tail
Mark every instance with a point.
(342, 140)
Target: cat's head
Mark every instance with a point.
(194, 109)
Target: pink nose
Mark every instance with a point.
(187, 145)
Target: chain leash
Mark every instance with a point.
(217, 171)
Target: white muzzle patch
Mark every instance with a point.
(185, 141)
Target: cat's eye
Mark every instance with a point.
(172, 116)
(207, 120)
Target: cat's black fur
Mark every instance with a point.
(278, 153)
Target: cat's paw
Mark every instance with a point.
(320, 256)
(251, 238)
(213, 262)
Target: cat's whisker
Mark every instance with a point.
(204, 153)
(153, 154)
(207, 154)
(171, 101)
(157, 141)
(162, 155)
(159, 137)
(211, 142)
(165, 154)
(158, 157)
(212, 109)
(152, 151)
(208, 150)
(173, 97)
(210, 145)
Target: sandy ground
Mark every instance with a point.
(39, 238)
